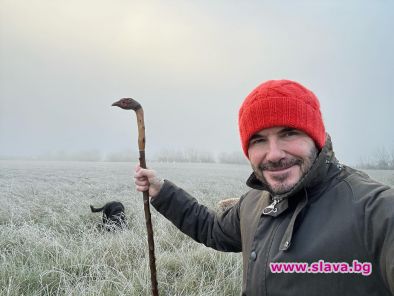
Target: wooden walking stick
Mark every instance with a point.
(130, 104)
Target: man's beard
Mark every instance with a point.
(304, 164)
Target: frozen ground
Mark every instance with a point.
(50, 246)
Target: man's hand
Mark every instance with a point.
(146, 179)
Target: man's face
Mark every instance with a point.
(281, 156)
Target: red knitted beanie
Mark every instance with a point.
(281, 103)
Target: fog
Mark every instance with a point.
(190, 64)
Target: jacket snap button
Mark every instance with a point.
(253, 255)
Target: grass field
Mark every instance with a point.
(50, 245)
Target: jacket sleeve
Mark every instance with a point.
(379, 222)
(221, 232)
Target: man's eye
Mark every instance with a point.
(290, 133)
(256, 141)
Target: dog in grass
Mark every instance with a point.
(114, 217)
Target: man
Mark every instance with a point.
(331, 225)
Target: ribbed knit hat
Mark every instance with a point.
(281, 103)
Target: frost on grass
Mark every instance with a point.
(51, 246)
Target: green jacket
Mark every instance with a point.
(334, 215)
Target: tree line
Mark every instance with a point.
(166, 155)
(382, 160)
(193, 155)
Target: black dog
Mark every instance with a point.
(114, 217)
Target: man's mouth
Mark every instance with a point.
(279, 169)
(280, 166)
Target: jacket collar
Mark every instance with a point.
(314, 177)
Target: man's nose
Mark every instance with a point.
(275, 151)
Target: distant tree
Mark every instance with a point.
(62, 155)
(122, 156)
(235, 157)
(168, 155)
(364, 164)
(86, 155)
(186, 155)
(391, 159)
(382, 160)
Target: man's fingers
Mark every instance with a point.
(140, 175)
(141, 182)
(146, 179)
(146, 173)
(142, 188)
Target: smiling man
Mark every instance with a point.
(309, 225)
(280, 156)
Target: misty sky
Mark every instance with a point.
(190, 64)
